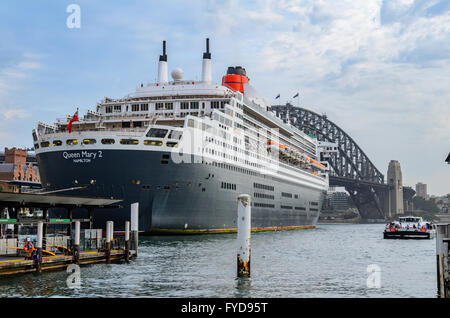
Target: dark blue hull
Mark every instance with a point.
(178, 197)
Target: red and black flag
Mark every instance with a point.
(74, 119)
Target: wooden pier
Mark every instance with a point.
(51, 252)
(20, 265)
(443, 258)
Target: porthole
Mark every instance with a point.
(72, 142)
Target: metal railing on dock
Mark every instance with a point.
(443, 258)
(28, 246)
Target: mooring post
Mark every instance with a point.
(135, 226)
(127, 241)
(244, 228)
(109, 238)
(442, 260)
(91, 217)
(40, 231)
(76, 243)
(44, 232)
(69, 227)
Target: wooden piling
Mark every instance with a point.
(135, 226)
(69, 226)
(442, 260)
(244, 228)
(109, 238)
(127, 241)
(44, 230)
(39, 239)
(76, 243)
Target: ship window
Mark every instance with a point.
(57, 142)
(135, 107)
(117, 108)
(153, 142)
(45, 144)
(184, 105)
(89, 141)
(36, 146)
(172, 144)
(264, 205)
(157, 133)
(144, 107)
(159, 106)
(194, 105)
(136, 181)
(108, 141)
(72, 142)
(175, 134)
(215, 104)
(129, 141)
(108, 109)
(169, 106)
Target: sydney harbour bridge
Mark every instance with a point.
(350, 167)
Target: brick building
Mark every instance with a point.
(19, 165)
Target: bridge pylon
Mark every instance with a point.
(394, 202)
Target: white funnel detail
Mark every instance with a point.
(163, 72)
(206, 66)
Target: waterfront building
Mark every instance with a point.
(17, 165)
(421, 190)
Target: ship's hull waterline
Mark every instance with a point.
(178, 198)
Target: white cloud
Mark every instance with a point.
(12, 76)
(13, 81)
(11, 113)
(380, 69)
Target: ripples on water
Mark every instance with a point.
(329, 261)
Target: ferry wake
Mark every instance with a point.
(185, 150)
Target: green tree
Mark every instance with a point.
(425, 205)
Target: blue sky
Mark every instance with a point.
(378, 69)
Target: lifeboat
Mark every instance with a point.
(317, 164)
(273, 145)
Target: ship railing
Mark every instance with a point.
(275, 119)
(98, 130)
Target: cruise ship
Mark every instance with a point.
(185, 150)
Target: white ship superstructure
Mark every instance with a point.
(222, 127)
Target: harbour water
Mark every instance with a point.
(329, 261)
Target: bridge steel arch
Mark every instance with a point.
(350, 167)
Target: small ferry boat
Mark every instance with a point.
(409, 227)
